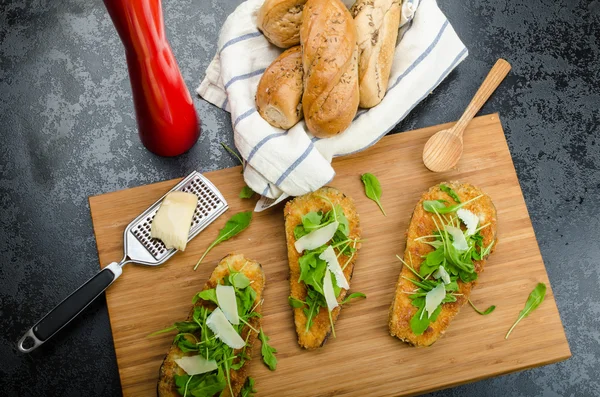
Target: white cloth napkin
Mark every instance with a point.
(293, 161)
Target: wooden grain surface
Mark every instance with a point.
(364, 359)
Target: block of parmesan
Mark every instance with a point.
(173, 220)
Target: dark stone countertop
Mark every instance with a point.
(68, 131)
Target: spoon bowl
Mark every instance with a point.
(442, 151)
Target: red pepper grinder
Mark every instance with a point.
(167, 121)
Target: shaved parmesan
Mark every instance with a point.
(329, 292)
(227, 303)
(469, 219)
(441, 272)
(172, 222)
(316, 238)
(434, 298)
(460, 242)
(196, 365)
(334, 267)
(217, 322)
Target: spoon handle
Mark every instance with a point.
(489, 85)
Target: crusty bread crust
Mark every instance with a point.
(377, 23)
(252, 270)
(294, 210)
(279, 92)
(421, 224)
(330, 62)
(280, 20)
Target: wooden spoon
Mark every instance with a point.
(443, 150)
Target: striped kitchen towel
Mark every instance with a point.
(293, 162)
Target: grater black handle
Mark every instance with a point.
(69, 308)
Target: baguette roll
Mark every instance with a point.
(279, 92)
(330, 63)
(280, 20)
(377, 23)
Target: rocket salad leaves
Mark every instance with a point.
(451, 260)
(196, 337)
(373, 189)
(313, 268)
(234, 226)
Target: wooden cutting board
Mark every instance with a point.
(364, 359)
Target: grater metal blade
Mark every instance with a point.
(139, 248)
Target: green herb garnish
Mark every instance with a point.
(246, 192)
(195, 336)
(234, 226)
(209, 295)
(354, 295)
(312, 268)
(446, 261)
(536, 297)
(484, 313)
(248, 389)
(267, 351)
(372, 189)
(237, 156)
(439, 206)
(448, 190)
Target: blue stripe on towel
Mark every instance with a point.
(422, 56)
(427, 92)
(264, 193)
(244, 76)
(295, 164)
(263, 141)
(224, 104)
(240, 38)
(243, 116)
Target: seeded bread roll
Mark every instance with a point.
(330, 63)
(377, 23)
(279, 93)
(280, 20)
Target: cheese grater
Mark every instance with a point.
(139, 248)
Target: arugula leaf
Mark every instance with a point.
(246, 192)
(312, 268)
(315, 301)
(484, 313)
(237, 156)
(267, 351)
(434, 205)
(184, 343)
(296, 303)
(420, 322)
(372, 189)
(312, 220)
(245, 299)
(235, 225)
(432, 262)
(248, 388)
(449, 298)
(448, 190)
(353, 296)
(453, 286)
(238, 280)
(181, 326)
(207, 384)
(209, 295)
(536, 297)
